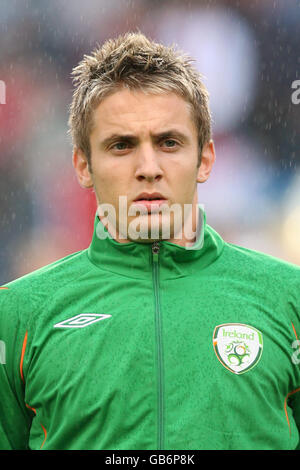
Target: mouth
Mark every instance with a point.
(150, 200)
(150, 197)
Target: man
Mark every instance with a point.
(160, 335)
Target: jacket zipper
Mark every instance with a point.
(155, 267)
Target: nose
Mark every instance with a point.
(148, 167)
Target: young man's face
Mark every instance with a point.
(144, 143)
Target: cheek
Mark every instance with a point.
(110, 183)
(187, 185)
(185, 176)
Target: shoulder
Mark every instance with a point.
(274, 275)
(37, 287)
(273, 280)
(249, 258)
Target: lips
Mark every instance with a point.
(152, 201)
(150, 197)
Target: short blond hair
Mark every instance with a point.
(134, 61)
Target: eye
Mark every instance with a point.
(170, 143)
(120, 146)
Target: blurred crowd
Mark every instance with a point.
(248, 52)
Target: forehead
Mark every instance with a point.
(137, 112)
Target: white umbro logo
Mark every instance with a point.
(82, 320)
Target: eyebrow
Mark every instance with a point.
(134, 139)
(117, 137)
(171, 133)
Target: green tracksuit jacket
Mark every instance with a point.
(152, 346)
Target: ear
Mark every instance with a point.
(208, 157)
(81, 166)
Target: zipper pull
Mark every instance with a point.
(155, 250)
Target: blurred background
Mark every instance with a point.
(249, 54)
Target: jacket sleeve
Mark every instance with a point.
(294, 394)
(295, 405)
(15, 419)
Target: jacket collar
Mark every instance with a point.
(134, 260)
